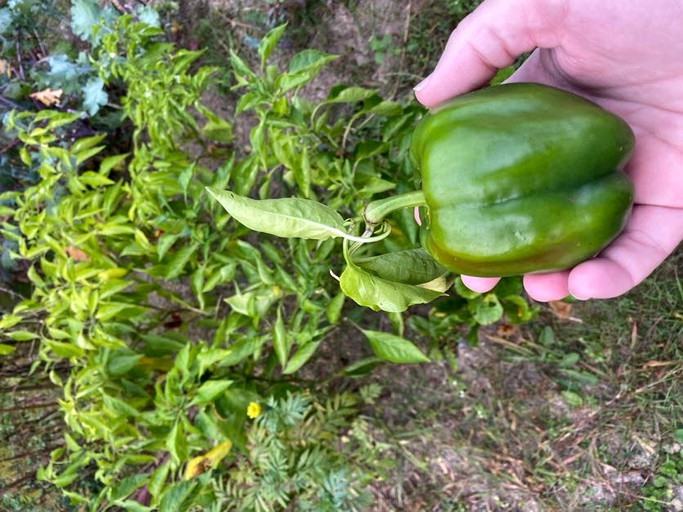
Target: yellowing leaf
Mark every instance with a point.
(209, 460)
(48, 97)
(5, 68)
(112, 273)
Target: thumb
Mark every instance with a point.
(490, 38)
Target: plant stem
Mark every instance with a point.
(376, 211)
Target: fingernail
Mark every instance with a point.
(579, 297)
(422, 84)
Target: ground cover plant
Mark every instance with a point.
(157, 355)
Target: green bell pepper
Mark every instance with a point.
(518, 178)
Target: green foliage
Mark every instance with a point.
(661, 488)
(165, 324)
(290, 457)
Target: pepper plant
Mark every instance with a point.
(181, 342)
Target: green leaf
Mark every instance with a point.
(369, 149)
(280, 339)
(148, 15)
(350, 95)
(209, 391)
(362, 366)
(394, 348)
(517, 309)
(247, 101)
(111, 162)
(309, 59)
(242, 349)
(216, 128)
(165, 242)
(302, 173)
(211, 425)
(290, 217)
(569, 360)
(133, 506)
(385, 108)
(119, 310)
(6, 18)
(94, 179)
(121, 363)
(303, 354)
(678, 435)
(185, 176)
(334, 308)
(22, 335)
(369, 290)
(487, 309)
(177, 497)
(208, 358)
(94, 96)
(8, 321)
(84, 17)
(178, 261)
(269, 42)
(412, 266)
(242, 72)
(303, 67)
(157, 345)
(176, 443)
(84, 145)
(583, 378)
(64, 350)
(463, 290)
(572, 399)
(6, 350)
(157, 480)
(118, 408)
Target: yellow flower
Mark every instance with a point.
(254, 410)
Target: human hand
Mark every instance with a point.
(625, 56)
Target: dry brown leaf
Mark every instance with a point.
(48, 97)
(658, 364)
(506, 330)
(562, 310)
(76, 254)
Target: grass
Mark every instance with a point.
(588, 418)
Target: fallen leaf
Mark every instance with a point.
(76, 254)
(48, 97)
(562, 310)
(657, 364)
(506, 330)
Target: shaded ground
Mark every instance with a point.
(578, 421)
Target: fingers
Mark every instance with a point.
(547, 287)
(490, 38)
(479, 284)
(651, 236)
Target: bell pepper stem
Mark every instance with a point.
(376, 211)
